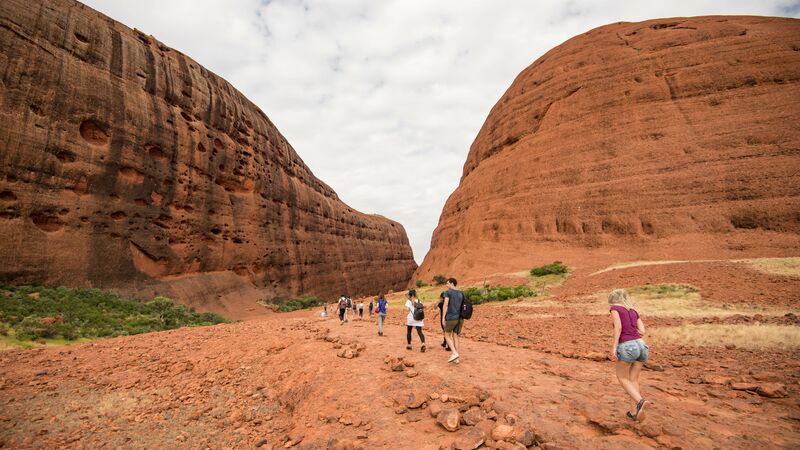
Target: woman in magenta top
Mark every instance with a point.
(628, 348)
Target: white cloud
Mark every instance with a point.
(382, 99)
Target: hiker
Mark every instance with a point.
(355, 308)
(628, 348)
(415, 318)
(440, 305)
(453, 299)
(342, 309)
(361, 309)
(370, 308)
(324, 310)
(349, 305)
(382, 303)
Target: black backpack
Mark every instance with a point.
(466, 307)
(419, 311)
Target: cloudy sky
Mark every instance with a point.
(382, 98)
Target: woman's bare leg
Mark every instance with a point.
(623, 375)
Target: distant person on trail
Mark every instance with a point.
(355, 308)
(371, 305)
(415, 318)
(382, 303)
(361, 309)
(324, 310)
(440, 305)
(349, 304)
(453, 299)
(342, 309)
(628, 348)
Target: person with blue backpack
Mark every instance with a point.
(382, 303)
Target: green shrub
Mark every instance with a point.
(554, 268)
(439, 280)
(294, 304)
(494, 294)
(88, 313)
(420, 284)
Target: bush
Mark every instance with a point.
(293, 304)
(494, 294)
(89, 313)
(420, 284)
(439, 280)
(554, 268)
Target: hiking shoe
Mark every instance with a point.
(408, 347)
(422, 349)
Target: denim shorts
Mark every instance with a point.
(632, 351)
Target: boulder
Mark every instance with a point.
(772, 390)
(593, 110)
(449, 419)
(470, 440)
(163, 178)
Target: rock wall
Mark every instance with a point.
(125, 164)
(670, 138)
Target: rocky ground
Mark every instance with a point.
(532, 375)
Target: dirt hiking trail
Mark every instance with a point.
(278, 383)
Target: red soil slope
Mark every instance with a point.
(670, 138)
(125, 164)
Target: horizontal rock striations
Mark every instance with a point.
(125, 164)
(671, 138)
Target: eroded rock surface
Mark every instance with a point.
(125, 164)
(670, 138)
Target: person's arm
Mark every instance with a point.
(617, 332)
(640, 326)
(445, 304)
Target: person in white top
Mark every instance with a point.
(413, 305)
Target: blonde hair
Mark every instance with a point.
(620, 297)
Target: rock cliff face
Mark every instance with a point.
(125, 164)
(671, 138)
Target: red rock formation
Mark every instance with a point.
(127, 165)
(671, 138)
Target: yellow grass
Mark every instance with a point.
(743, 336)
(626, 265)
(676, 300)
(778, 266)
(11, 343)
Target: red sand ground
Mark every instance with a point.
(277, 382)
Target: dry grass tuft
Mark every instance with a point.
(679, 300)
(789, 267)
(780, 337)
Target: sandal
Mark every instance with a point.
(629, 415)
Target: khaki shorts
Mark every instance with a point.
(453, 325)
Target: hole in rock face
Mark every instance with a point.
(81, 38)
(65, 156)
(7, 196)
(93, 133)
(46, 222)
(155, 152)
(118, 215)
(131, 175)
(201, 148)
(186, 116)
(218, 144)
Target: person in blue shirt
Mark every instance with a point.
(453, 299)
